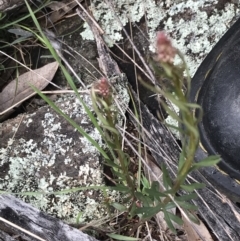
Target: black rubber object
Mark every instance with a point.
(216, 87)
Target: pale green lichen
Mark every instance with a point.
(192, 30)
(30, 161)
(125, 10)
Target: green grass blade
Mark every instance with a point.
(121, 237)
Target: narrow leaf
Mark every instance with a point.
(181, 161)
(169, 222)
(192, 187)
(119, 207)
(187, 197)
(170, 205)
(208, 161)
(186, 205)
(167, 182)
(121, 237)
(175, 218)
(148, 212)
(192, 217)
(121, 188)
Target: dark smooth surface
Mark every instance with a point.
(220, 99)
(216, 87)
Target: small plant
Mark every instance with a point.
(149, 200)
(173, 92)
(103, 104)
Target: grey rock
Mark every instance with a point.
(41, 153)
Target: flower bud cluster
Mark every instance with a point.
(165, 51)
(103, 87)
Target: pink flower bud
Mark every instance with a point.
(165, 51)
(102, 87)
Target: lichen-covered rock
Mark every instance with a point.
(195, 26)
(41, 153)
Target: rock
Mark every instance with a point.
(41, 153)
(194, 26)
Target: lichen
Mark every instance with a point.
(52, 163)
(195, 26)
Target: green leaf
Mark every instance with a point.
(110, 163)
(148, 212)
(149, 87)
(208, 161)
(167, 182)
(179, 129)
(175, 218)
(192, 187)
(154, 192)
(172, 113)
(192, 217)
(145, 182)
(170, 205)
(187, 197)
(146, 201)
(127, 198)
(119, 207)
(118, 173)
(186, 205)
(121, 188)
(191, 128)
(193, 105)
(181, 160)
(111, 129)
(180, 104)
(169, 222)
(99, 113)
(121, 237)
(132, 211)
